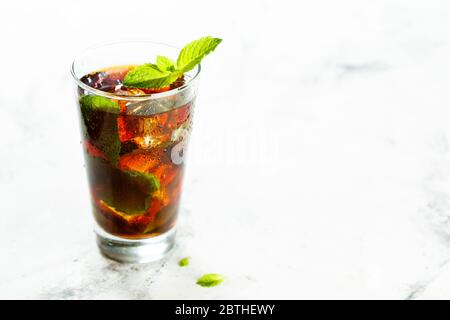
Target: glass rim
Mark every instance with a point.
(143, 97)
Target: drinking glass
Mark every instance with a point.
(134, 149)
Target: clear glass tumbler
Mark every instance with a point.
(134, 148)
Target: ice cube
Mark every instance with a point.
(101, 81)
(123, 91)
(146, 132)
(150, 107)
(139, 160)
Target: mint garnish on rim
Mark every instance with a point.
(165, 64)
(165, 71)
(149, 76)
(194, 52)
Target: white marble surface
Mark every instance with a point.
(320, 158)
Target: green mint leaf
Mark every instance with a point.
(97, 103)
(194, 52)
(165, 64)
(129, 192)
(165, 72)
(210, 280)
(184, 262)
(149, 76)
(100, 124)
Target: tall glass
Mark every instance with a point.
(134, 152)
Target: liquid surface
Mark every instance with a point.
(110, 80)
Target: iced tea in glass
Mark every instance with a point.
(134, 143)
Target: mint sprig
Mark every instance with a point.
(149, 76)
(165, 71)
(165, 64)
(194, 52)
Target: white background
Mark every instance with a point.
(319, 164)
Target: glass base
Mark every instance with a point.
(135, 251)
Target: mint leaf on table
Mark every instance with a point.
(149, 76)
(165, 64)
(210, 280)
(165, 71)
(100, 119)
(184, 262)
(194, 52)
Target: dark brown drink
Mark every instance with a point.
(134, 154)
